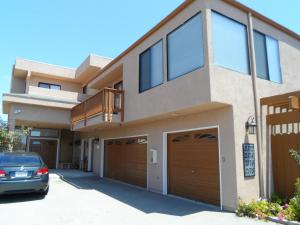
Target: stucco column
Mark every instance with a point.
(101, 143)
(27, 81)
(11, 124)
(58, 153)
(90, 153)
(81, 154)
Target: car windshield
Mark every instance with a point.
(15, 160)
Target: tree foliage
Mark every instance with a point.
(11, 140)
(295, 155)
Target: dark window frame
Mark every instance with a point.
(162, 49)
(49, 85)
(248, 44)
(167, 47)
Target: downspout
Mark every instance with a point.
(256, 105)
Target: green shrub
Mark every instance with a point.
(260, 209)
(293, 211)
(297, 187)
(276, 199)
(274, 209)
(246, 209)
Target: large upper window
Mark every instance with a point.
(151, 67)
(185, 48)
(49, 86)
(230, 43)
(267, 57)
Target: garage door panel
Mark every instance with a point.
(210, 198)
(189, 179)
(193, 165)
(126, 160)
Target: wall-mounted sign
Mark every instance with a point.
(249, 160)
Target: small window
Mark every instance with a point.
(118, 142)
(84, 90)
(117, 97)
(54, 87)
(119, 85)
(130, 141)
(181, 138)
(185, 48)
(267, 57)
(204, 136)
(43, 85)
(41, 132)
(110, 143)
(151, 67)
(49, 86)
(142, 141)
(36, 142)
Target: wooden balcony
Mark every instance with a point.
(107, 106)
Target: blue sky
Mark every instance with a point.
(64, 32)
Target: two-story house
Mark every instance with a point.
(175, 113)
(41, 97)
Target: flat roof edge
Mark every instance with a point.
(55, 100)
(181, 8)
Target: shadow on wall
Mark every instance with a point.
(147, 202)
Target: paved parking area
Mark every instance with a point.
(82, 199)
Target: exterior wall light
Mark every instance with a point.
(17, 111)
(251, 125)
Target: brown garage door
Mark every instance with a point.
(193, 165)
(47, 150)
(126, 160)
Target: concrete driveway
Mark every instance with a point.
(82, 199)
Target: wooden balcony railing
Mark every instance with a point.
(106, 102)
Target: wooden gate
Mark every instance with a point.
(285, 169)
(283, 120)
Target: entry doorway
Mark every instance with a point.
(47, 149)
(85, 156)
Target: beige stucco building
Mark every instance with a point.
(169, 113)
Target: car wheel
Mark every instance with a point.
(45, 192)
